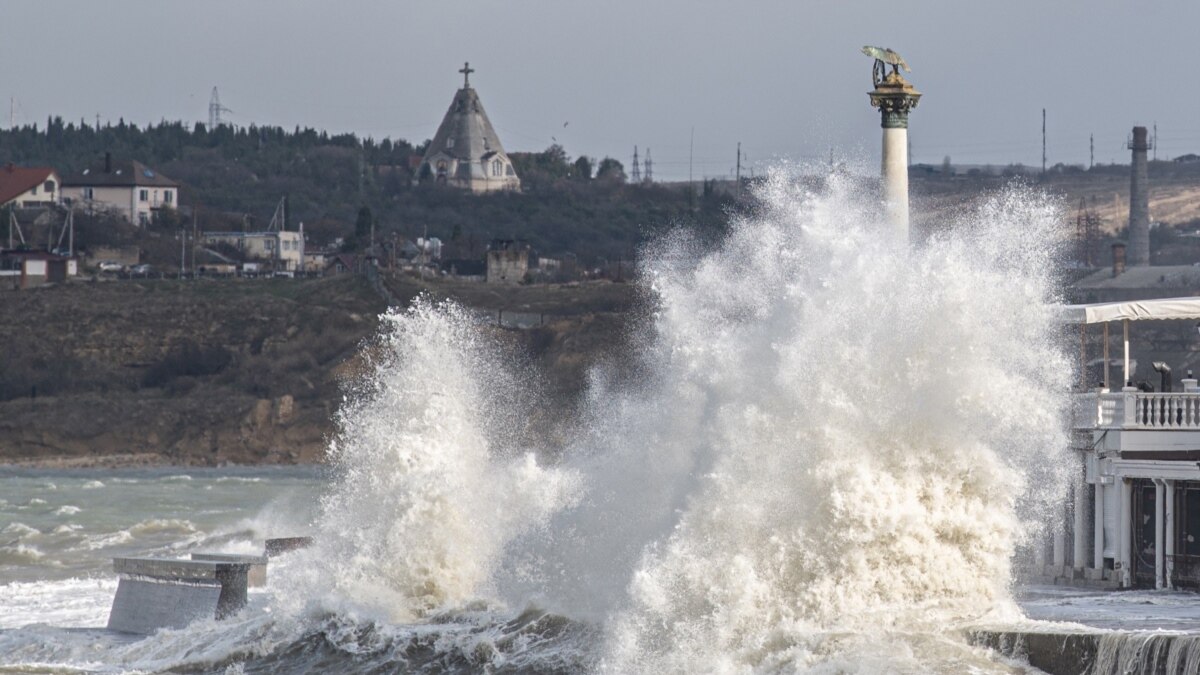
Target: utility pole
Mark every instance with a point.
(691, 188)
(1091, 151)
(182, 253)
(1154, 144)
(195, 207)
(635, 175)
(739, 167)
(1043, 142)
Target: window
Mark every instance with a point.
(497, 168)
(144, 195)
(88, 193)
(450, 143)
(167, 197)
(48, 186)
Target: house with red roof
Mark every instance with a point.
(29, 186)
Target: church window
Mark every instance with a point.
(508, 170)
(497, 167)
(450, 143)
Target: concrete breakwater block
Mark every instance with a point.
(256, 575)
(1098, 653)
(284, 544)
(1054, 653)
(157, 593)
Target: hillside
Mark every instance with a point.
(208, 372)
(235, 178)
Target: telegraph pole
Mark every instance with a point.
(1043, 142)
(739, 169)
(1092, 151)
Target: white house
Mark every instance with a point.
(128, 187)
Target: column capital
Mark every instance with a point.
(895, 98)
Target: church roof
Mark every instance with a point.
(465, 132)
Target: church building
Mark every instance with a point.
(466, 152)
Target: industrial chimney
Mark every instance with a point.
(1139, 201)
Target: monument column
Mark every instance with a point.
(895, 98)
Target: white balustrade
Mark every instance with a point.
(1137, 410)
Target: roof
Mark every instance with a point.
(32, 255)
(1133, 310)
(125, 173)
(15, 180)
(465, 132)
(1143, 276)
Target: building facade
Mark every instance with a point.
(129, 188)
(284, 249)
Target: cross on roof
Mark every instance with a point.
(466, 71)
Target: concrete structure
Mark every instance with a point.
(29, 187)
(1135, 518)
(507, 261)
(895, 98)
(285, 250)
(155, 593)
(1139, 201)
(256, 573)
(466, 152)
(129, 188)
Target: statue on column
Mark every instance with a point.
(885, 57)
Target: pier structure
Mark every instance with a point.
(1134, 521)
(895, 98)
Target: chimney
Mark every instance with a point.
(1118, 253)
(1139, 200)
(108, 162)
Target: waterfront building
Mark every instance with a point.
(1134, 520)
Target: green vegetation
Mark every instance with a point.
(234, 177)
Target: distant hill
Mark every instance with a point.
(236, 176)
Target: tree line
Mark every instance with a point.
(234, 176)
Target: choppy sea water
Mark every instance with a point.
(823, 461)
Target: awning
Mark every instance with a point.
(1133, 310)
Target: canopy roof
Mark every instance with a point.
(1133, 310)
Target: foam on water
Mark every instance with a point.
(430, 484)
(832, 445)
(825, 463)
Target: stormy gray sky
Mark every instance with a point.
(784, 78)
